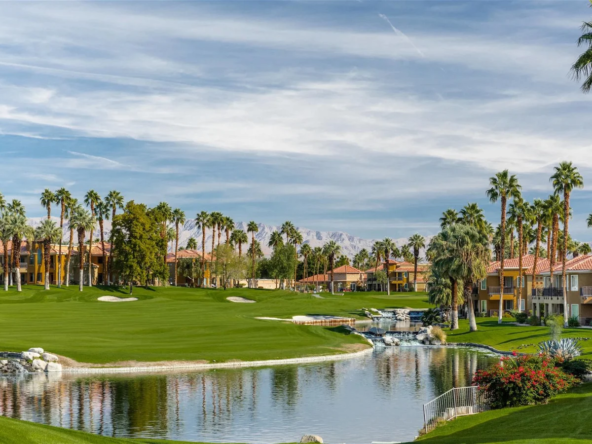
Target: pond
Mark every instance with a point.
(377, 397)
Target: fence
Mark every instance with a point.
(452, 404)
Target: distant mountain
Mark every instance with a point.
(350, 245)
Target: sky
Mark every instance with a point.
(370, 117)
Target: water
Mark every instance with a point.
(378, 397)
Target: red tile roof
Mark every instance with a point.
(187, 254)
(315, 278)
(347, 269)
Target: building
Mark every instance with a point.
(196, 257)
(345, 278)
(400, 276)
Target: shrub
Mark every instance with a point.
(577, 367)
(562, 350)
(521, 318)
(555, 323)
(507, 314)
(439, 334)
(573, 321)
(431, 317)
(524, 380)
(534, 321)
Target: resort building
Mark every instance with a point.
(345, 278)
(400, 276)
(184, 278)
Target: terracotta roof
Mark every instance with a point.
(410, 267)
(347, 269)
(9, 243)
(315, 278)
(579, 263)
(527, 264)
(187, 254)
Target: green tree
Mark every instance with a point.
(281, 263)
(47, 199)
(582, 68)
(387, 248)
(565, 180)
(191, 244)
(537, 212)
(287, 229)
(91, 199)
(62, 196)
(81, 221)
(238, 238)
(449, 217)
(6, 236)
(71, 204)
(228, 227)
(203, 221)
(361, 259)
(503, 186)
(252, 228)
(377, 253)
(229, 266)
(305, 252)
(115, 200)
(275, 240)
(519, 210)
(331, 250)
(18, 228)
(103, 209)
(188, 268)
(178, 217)
(416, 243)
(48, 232)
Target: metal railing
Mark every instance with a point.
(496, 290)
(456, 402)
(586, 292)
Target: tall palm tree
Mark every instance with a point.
(416, 243)
(275, 240)
(115, 200)
(48, 232)
(239, 237)
(406, 253)
(216, 219)
(287, 229)
(503, 186)
(71, 204)
(62, 195)
(519, 211)
(82, 221)
(47, 199)
(103, 209)
(15, 207)
(582, 68)
(565, 179)
(296, 239)
(191, 244)
(537, 211)
(554, 209)
(317, 253)
(228, 227)
(6, 236)
(252, 228)
(449, 217)
(376, 253)
(178, 219)
(203, 221)
(165, 213)
(471, 214)
(19, 228)
(361, 259)
(305, 251)
(332, 249)
(91, 199)
(584, 249)
(387, 248)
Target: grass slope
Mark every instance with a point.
(179, 323)
(13, 431)
(566, 419)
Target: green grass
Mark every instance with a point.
(566, 419)
(179, 323)
(13, 431)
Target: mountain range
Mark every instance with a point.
(350, 245)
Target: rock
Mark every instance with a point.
(53, 367)
(435, 341)
(311, 438)
(36, 350)
(4, 362)
(29, 356)
(39, 364)
(421, 336)
(49, 357)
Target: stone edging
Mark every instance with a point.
(487, 347)
(238, 364)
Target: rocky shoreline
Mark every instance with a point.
(34, 360)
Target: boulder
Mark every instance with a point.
(4, 362)
(421, 336)
(49, 357)
(36, 350)
(53, 367)
(311, 438)
(435, 341)
(39, 365)
(29, 356)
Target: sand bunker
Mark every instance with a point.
(240, 300)
(116, 299)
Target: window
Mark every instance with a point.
(100, 260)
(508, 305)
(483, 306)
(38, 277)
(558, 281)
(31, 277)
(39, 256)
(575, 310)
(547, 281)
(574, 282)
(522, 304)
(484, 285)
(508, 281)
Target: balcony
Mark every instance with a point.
(496, 290)
(548, 292)
(586, 292)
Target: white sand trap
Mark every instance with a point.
(240, 300)
(116, 299)
(315, 318)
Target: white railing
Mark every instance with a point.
(456, 402)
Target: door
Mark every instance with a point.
(575, 310)
(483, 306)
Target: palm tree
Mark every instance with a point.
(376, 252)
(81, 220)
(228, 227)
(203, 221)
(6, 236)
(537, 211)
(583, 66)
(317, 253)
(252, 228)
(91, 199)
(503, 186)
(71, 204)
(361, 258)
(48, 232)
(287, 229)
(47, 199)
(191, 244)
(296, 239)
(178, 219)
(305, 251)
(471, 214)
(416, 243)
(215, 221)
(275, 240)
(387, 248)
(519, 210)
(554, 208)
(115, 200)
(332, 249)
(584, 249)
(239, 237)
(449, 217)
(406, 253)
(62, 195)
(565, 179)
(19, 228)
(103, 209)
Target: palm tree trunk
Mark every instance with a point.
(90, 242)
(454, 305)
(536, 251)
(177, 249)
(47, 251)
(521, 284)
(512, 244)
(469, 299)
(18, 279)
(81, 259)
(564, 258)
(212, 255)
(503, 251)
(17, 261)
(203, 256)
(104, 254)
(6, 266)
(551, 252)
(110, 258)
(60, 246)
(69, 256)
(331, 260)
(415, 273)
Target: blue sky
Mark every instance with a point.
(359, 116)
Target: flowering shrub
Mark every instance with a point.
(523, 380)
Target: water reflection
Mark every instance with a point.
(374, 398)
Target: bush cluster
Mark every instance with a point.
(577, 367)
(534, 321)
(524, 380)
(573, 321)
(520, 317)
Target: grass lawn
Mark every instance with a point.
(179, 323)
(509, 337)
(13, 431)
(566, 419)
